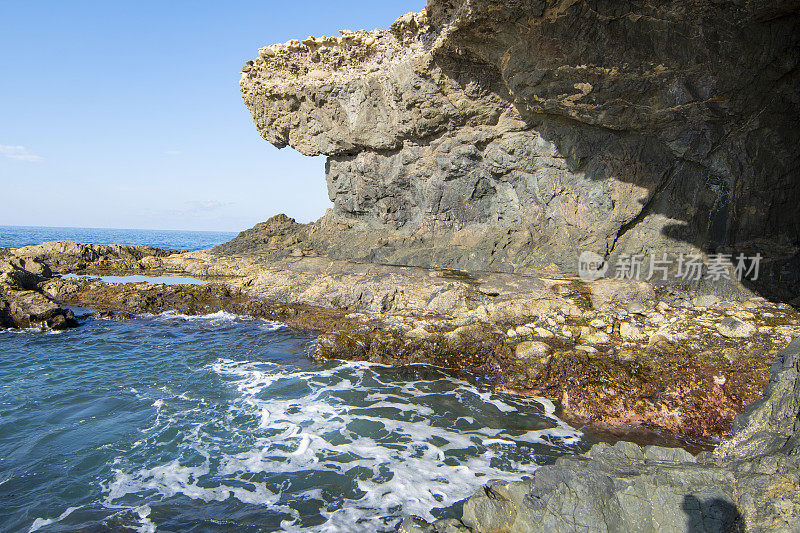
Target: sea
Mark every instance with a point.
(16, 236)
(222, 423)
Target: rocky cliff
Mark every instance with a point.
(506, 135)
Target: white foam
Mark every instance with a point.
(22, 331)
(41, 522)
(218, 317)
(145, 524)
(412, 459)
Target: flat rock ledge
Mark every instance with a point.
(751, 482)
(615, 353)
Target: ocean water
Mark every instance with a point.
(16, 236)
(222, 423)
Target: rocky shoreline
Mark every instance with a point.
(615, 354)
(475, 152)
(620, 357)
(749, 482)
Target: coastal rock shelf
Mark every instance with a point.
(497, 135)
(474, 151)
(616, 354)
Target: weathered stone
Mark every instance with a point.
(532, 350)
(68, 256)
(749, 482)
(481, 134)
(596, 337)
(22, 302)
(523, 331)
(629, 332)
(735, 328)
(706, 300)
(636, 308)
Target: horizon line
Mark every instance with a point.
(123, 229)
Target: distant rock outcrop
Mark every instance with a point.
(68, 256)
(502, 135)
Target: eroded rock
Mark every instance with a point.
(481, 134)
(736, 329)
(22, 302)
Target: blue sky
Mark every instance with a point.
(128, 114)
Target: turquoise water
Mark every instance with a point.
(221, 423)
(16, 236)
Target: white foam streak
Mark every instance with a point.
(389, 444)
(217, 318)
(41, 522)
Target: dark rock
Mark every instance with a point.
(68, 256)
(735, 328)
(106, 314)
(23, 304)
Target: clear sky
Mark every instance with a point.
(127, 113)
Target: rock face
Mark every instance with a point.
(502, 135)
(22, 302)
(750, 482)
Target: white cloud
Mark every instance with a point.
(173, 152)
(19, 153)
(204, 206)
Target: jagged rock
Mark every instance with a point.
(488, 134)
(22, 302)
(68, 256)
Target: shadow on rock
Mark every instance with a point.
(713, 515)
